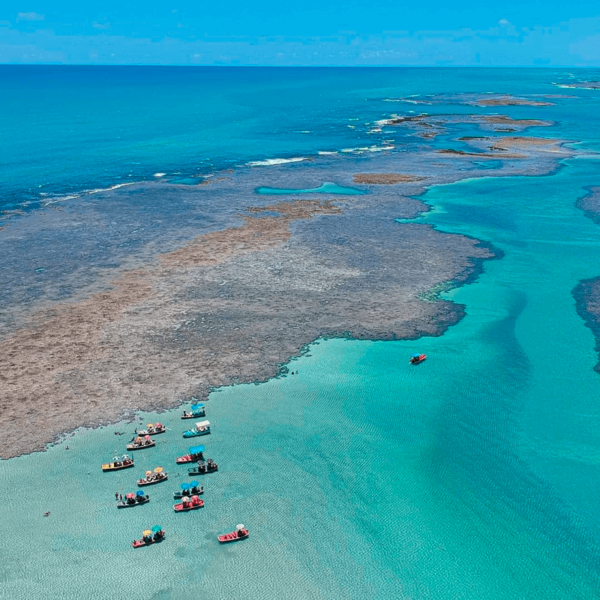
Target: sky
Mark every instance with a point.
(309, 33)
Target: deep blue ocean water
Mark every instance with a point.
(475, 475)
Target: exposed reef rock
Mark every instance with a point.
(590, 204)
(194, 287)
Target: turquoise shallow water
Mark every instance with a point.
(474, 475)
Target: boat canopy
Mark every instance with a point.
(157, 528)
(202, 424)
(193, 484)
(197, 406)
(140, 493)
(116, 459)
(196, 449)
(185, 486)
(130, 495)
(414, 356)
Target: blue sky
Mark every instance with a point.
(311, 32)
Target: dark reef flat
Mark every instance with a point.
(137, 298)
(587, 300)
(590, 204)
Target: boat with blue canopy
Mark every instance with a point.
(196, 454)
(202, 428)
(197, 411)
(131, 499)
(416, 359)
(193, 488)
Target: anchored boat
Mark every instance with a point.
(153, 477)
(153, 429)
(202, 428)
(416, 359)
(133, 500)
(193, 488)
(240, 533)
(141, 443)
(118, 463)
(197, 411)
(188, 504)
(203, 467)
(153, 536)
(196, 454)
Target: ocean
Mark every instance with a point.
(474, 476)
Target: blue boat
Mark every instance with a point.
(193, 488)
(202, 428)
(197, 411)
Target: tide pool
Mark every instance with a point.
(327, 188)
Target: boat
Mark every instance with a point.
(416, 359)
(197, 411)
(141, 443)
(193, 503)
(133, 500)
(203, 467)
(153, 429)
(240, 533)
(153, 477)
(153, 536)
(196, 454)
(118, 463)
(202, 428)
(193, 488)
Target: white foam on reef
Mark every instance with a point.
(88, 193)
(367, 149)
(327, 153)
(159, 174)
(275, 161)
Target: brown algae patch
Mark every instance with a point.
(385, 178)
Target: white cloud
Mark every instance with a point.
(504, 22)
(29, 16)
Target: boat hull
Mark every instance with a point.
(143, 482)
(141, 543)
(179, 495)
(136, 503)
(140, 433)
(197, 471)
(233, 537)
(189, 434)
(132, 447)
(111, 467)
(200, 414)
(181, 508)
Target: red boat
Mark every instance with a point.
(148, 539)
(416, 359)
(195, 455)
(240, 533)
(187, 504)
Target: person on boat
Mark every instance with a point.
(185, 413)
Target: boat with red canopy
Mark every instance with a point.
(153, 429)
(188, 503)
(141, 443)
(240, 533)
(132, 499)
